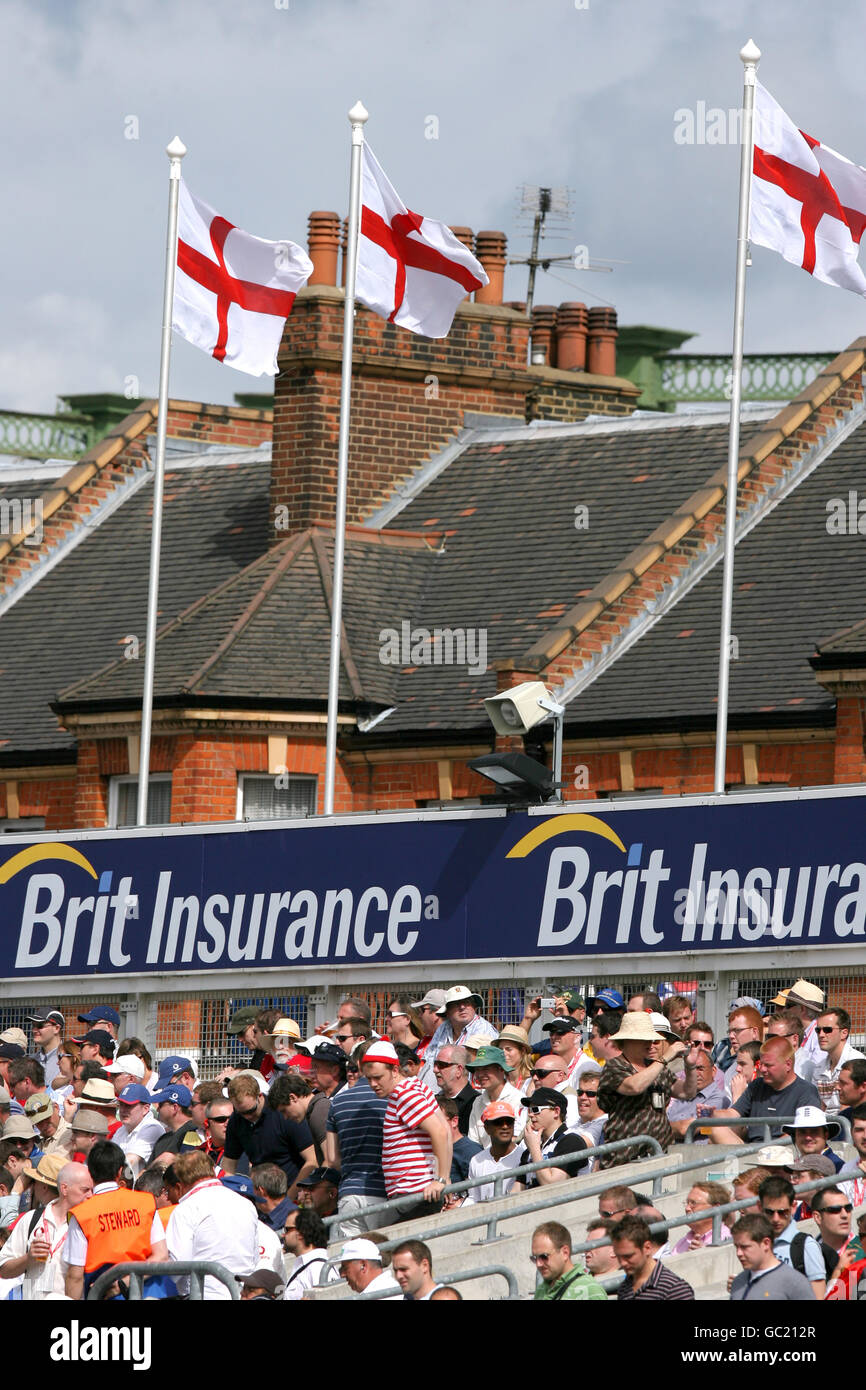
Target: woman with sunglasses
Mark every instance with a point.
(403, 1023)
(514, 1042)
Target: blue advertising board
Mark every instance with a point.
(709, 876)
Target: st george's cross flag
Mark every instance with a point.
(411, 269)
(233, 291)
(807, 202)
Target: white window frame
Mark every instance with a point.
(259, 776)
(114, 785)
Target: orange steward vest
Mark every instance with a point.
(165, 1214)
(117, 1227)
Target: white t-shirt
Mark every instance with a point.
(139, 1142)
(45, 1278)
(385, 1280)
(482, 1164)
(210, 1222)
(304, 1274)
(270, 1250)
(509, 1095)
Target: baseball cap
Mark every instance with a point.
(330, 1175)
(435, 998)
(362, 1249)
(129, 1063)
(46, 1016)
(242, 1018)
(135, 1095)
(561, 1025)
(178, 1095)
(88, 1122)
(497, 1110)
(170, 1067)
(263, 1085)
(611, 998)
(101, 1012)
(38, 1107)
(573, 1000)
(814, 1163)
(239, 1183)
(546, 1095)
(380, 1051)
(98, 1035)
(9, 1051)
(266, 1279)
(487, 1057)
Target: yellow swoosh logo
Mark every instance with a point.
(563, 825)
(37, 853)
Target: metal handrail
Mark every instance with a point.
(498, 1179)
(754, 1122)
(557, 1198)
(175, 1269)
(480, 1272)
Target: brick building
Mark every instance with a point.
(507, 522)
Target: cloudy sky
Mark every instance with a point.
(574, 93)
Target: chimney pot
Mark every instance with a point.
(543, 321)
(490, 251)
(323, 240)
(601, 334)
(571, 320)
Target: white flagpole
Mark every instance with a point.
(175, 151)
(357, 117)
(750, 56)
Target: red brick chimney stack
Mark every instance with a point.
(490, 250)
(571, 337)
(543, 342)
(602, 332)
(323, 241)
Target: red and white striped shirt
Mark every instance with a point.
(407, 1151)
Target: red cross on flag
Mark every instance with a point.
(411, 269)
(233, 291)
(808, 202)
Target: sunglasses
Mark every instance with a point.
(705, 1043)
(440, 1066)
(834, 1211)
(537, 1109)
(540, 1075)
(824, 1030)
(587, 1093)
(343, 1037)
(537, 1259)
(219, 1119)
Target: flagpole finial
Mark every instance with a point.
(750, 54)
(359, 113)
(175, 149)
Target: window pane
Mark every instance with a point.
(264, 800)
(158, 802)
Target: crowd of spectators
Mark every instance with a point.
(108, 1157)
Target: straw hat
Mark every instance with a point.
(16, 1036)
(802, 992)
(637, 1027)
(477, 1040)
(97, 1092)
(512, 1032)
(773, 1156)
(286, 1028)
(47, 1169)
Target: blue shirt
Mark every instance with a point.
(271, 1139)
(461, 1156)
(357, 1117)
(812, 1257)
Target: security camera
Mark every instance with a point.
(519, 710)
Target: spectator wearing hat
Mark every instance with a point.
(777, 1199)
(319, 1191)
(174, 1114)
(546, 1136)
(48, 1029)
(126, 1070)
(55, 1135)
(451, 1070)
(561, 1280)
(86, 1127)
(265, 1135)
(461, 1020)
(416, 1141)
(36, 1248)
(607, 1000)
(832, 1030)
(491, 1071)
(19, 1129)
(429, 1016)
(636, 1088)
(270, 1246)
(111, 1226)
(363, 1266)
(329, 1068)
(96, 1045)
(138, 1130)
(811, 1131)
(569, 1004)
(777, 1091)
(211, 1222)
(565, 1043)
(647, 1280)
(243, 1025)
(134, 1047)
(294, 1098)
(804, 1170)
(282, 1044)
(98, 1094)
(514, 1042)
(501, 1155)
(807, 1002)
(353, 1145)
(262, 1286)
(104, 1017)
(176, 1069)
(763, 1275)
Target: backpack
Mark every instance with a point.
(798, 1257)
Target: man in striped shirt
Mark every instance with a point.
(646, 1279)
(416, 1141)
